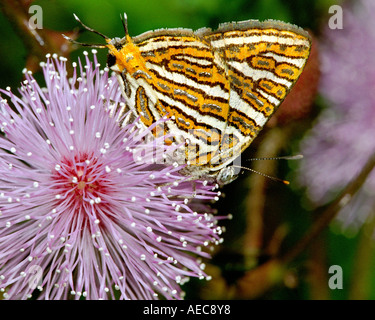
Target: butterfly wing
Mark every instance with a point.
(181, 77)
(264, 60)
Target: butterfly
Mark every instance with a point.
(218, 88)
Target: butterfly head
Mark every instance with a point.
(122, 53)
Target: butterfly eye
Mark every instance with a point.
(226, 175)
(111, 60)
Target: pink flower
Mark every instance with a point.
(342, 139)
(80, 214)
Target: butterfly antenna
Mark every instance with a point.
(101, 46)
(264, 175)
(90, 29)
(296, 157)
(124, 20)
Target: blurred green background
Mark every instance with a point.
(144, 15)
(285, 213)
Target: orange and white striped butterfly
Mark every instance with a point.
(219, 88)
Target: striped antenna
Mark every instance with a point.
(263, 175)
(100, 46)
(296, 157)
(90, 29)
(124, 20)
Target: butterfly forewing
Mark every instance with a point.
(264, 60)
(189, 83)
